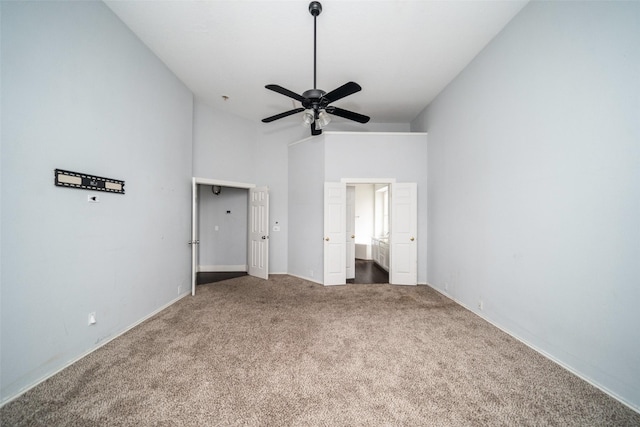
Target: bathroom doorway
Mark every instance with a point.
(368, 228)
(401, 242)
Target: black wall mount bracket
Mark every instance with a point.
(85, 181)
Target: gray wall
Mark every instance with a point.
(534, 195)
(402, 156)
(272, 169)
(224, 249)
(230, 148)
(306, 208)
(80, 92)
(333, 156)
(224, 145)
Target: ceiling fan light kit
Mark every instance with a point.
(315, 102)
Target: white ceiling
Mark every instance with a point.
(402, 53)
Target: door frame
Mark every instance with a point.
(195, 181)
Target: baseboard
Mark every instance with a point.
(542, 352)
(221, 268)
(86, 353)
(309, 279)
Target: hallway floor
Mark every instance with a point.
(212, 277)
(369, 272)
(366, 272)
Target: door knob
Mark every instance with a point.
(326, 238)
(353, 236)
(264, 237)
(412, 239)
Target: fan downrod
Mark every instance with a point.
(315, 8)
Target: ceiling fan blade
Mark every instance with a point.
(360, 118)
(281, 115)
(344, 90)
(286, 92)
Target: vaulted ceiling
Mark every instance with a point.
(402, 53)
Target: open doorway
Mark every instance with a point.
(401, 241)
(368, 228)
(222, 233)
(251, 222)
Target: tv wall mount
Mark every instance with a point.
(85, 181)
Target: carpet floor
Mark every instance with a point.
(287, 352)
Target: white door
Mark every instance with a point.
(404, 226)
(259, 232)
(194, 235)
(350, 232)
(335, 225)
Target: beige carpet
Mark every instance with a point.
(287, 352)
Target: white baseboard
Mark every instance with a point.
(306, 278)
(86, 353)
(542, 352)
(221, 268)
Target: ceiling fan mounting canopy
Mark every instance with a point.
(315, 8)
(317, 100)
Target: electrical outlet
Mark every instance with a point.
(92, 318)
(480, 305)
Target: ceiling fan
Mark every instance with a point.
(315, 102)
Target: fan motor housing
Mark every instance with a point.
(314, 98)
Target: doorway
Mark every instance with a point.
(400, 243)
(222, 229)
(368, 272)
(251, 207)
(367, 233)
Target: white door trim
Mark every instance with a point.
(221, 183)
(194, 234)
(368, 180)
(350, 235)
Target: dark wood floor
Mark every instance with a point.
(369, 272)
(212, 277)
(366, 272)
